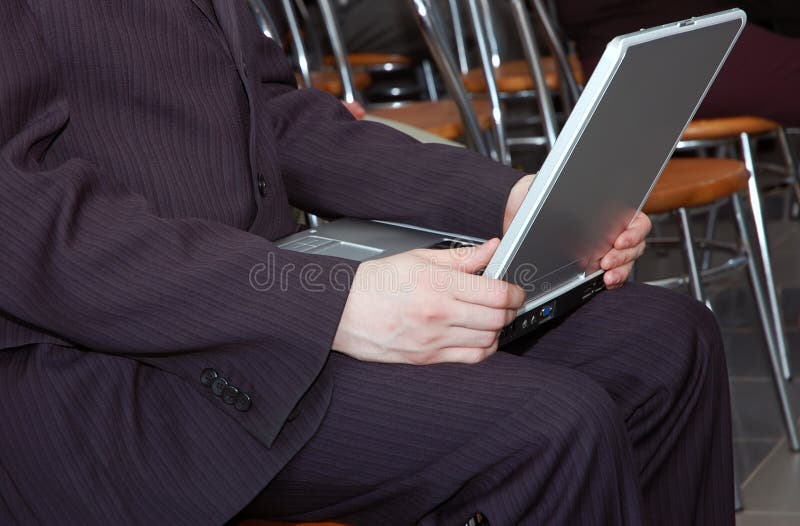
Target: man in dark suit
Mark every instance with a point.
(162, 362)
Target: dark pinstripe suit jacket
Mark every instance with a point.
(149, 150)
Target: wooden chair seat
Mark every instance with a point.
(726, 127)
(439, 118)
(695, 182)
(371, 60)
(516, 76)
(331, 82)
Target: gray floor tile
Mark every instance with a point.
(752, 518)
(756, 414)
(748, 454)
(790, 305)
(774, 485)
(746, 351)
(786, 267)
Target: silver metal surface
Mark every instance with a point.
(458, 33)
(360, 240)
(480, 28)
(568, 80)
(430, 80)
(531, 48)
(299, 48)
(586, 193)
(695, 283)
(766, 259)
(755, 280)
(491, 32)
(432, 30)
(339, 51)
(264, 19)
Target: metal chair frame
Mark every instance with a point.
(744, 143)
(745, 253)
(483, 27)
(444, 62)
(768, 306)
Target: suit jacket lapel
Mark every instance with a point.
(205, 7)
(229, 21)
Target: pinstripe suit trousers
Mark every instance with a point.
(619, 415)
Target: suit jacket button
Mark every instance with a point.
(229, 394)
(243, 402)
(208, 376)
(219, 385)
(262, 185)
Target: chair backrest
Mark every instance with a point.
(547, 18)
(430, 22)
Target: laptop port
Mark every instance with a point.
(546, 311)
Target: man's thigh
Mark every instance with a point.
(398, 442)
(632, 341)
(395, 435)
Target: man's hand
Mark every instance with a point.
(628, 247)
(618, 262)
(426, 307)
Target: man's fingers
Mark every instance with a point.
(471, 355)
(617, 258)
(471, 316)
(614, 279)
(468, 338)
(635, 233)
(488, 292)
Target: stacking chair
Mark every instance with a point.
(450, 119)
(692, 183)
(743, 131)
(520, 79)
(700, 135)
(689, 183)
(328, 81)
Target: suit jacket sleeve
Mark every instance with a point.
(335, 166)
(94, 266)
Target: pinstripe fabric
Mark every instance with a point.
(133, 137)
(601, 421)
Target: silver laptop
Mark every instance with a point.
(623, 130)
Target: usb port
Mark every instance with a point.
(546, 311)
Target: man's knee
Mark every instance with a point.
(577, 411)
(678, 336)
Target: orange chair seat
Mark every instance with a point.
(516, 76)
(331, 82)
(695, 182)
(726, 127)
(439, 118)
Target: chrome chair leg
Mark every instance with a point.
(766, 323)
(480, 28)
(738, 505)
(430, 80)
(695, 283)
(711, 228)
(766, 260)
